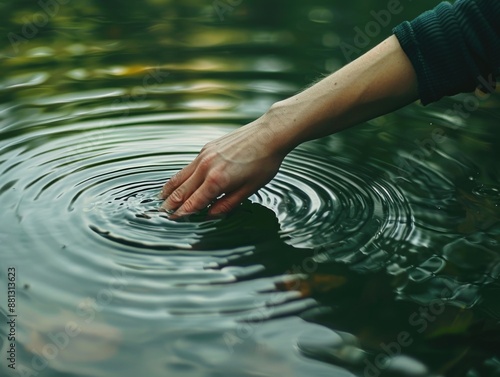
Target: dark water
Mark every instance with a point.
(373, 252)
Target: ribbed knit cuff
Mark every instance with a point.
(451, 46)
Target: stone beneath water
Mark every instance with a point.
(331, 346)
(341, 348)
(404, 366)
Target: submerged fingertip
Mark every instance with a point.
(169, 212)
(166, 208)
(217, 215)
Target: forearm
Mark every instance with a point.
(380, 81)
(244, 160)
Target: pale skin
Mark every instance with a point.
(243, 161)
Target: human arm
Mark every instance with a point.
(451, 49)
(239, 163)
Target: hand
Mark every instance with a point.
(236, 165)
(243, 161)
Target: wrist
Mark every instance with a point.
(280, 125)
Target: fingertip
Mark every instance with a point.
(166, 208)
(180, 213)
(162, 195)
(170, 202)
(175, 181)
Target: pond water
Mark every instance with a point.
(375, 251)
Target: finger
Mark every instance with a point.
(201, 198)
(176, 180)
(183, 192)
(229, 202)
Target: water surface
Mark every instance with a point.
(372, 252)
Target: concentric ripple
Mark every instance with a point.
(84, 207)
(317, 203)
(327, 202)
(82, 203)
(95, 182)
(110, 186)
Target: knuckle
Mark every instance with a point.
(188, 207)
(206, 161)
(205, 148)
(204, 164)
(177, 196)
(214, 184)
(224, 207)
(173, 181)
(208, 146)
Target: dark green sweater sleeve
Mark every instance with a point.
(454, 47)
